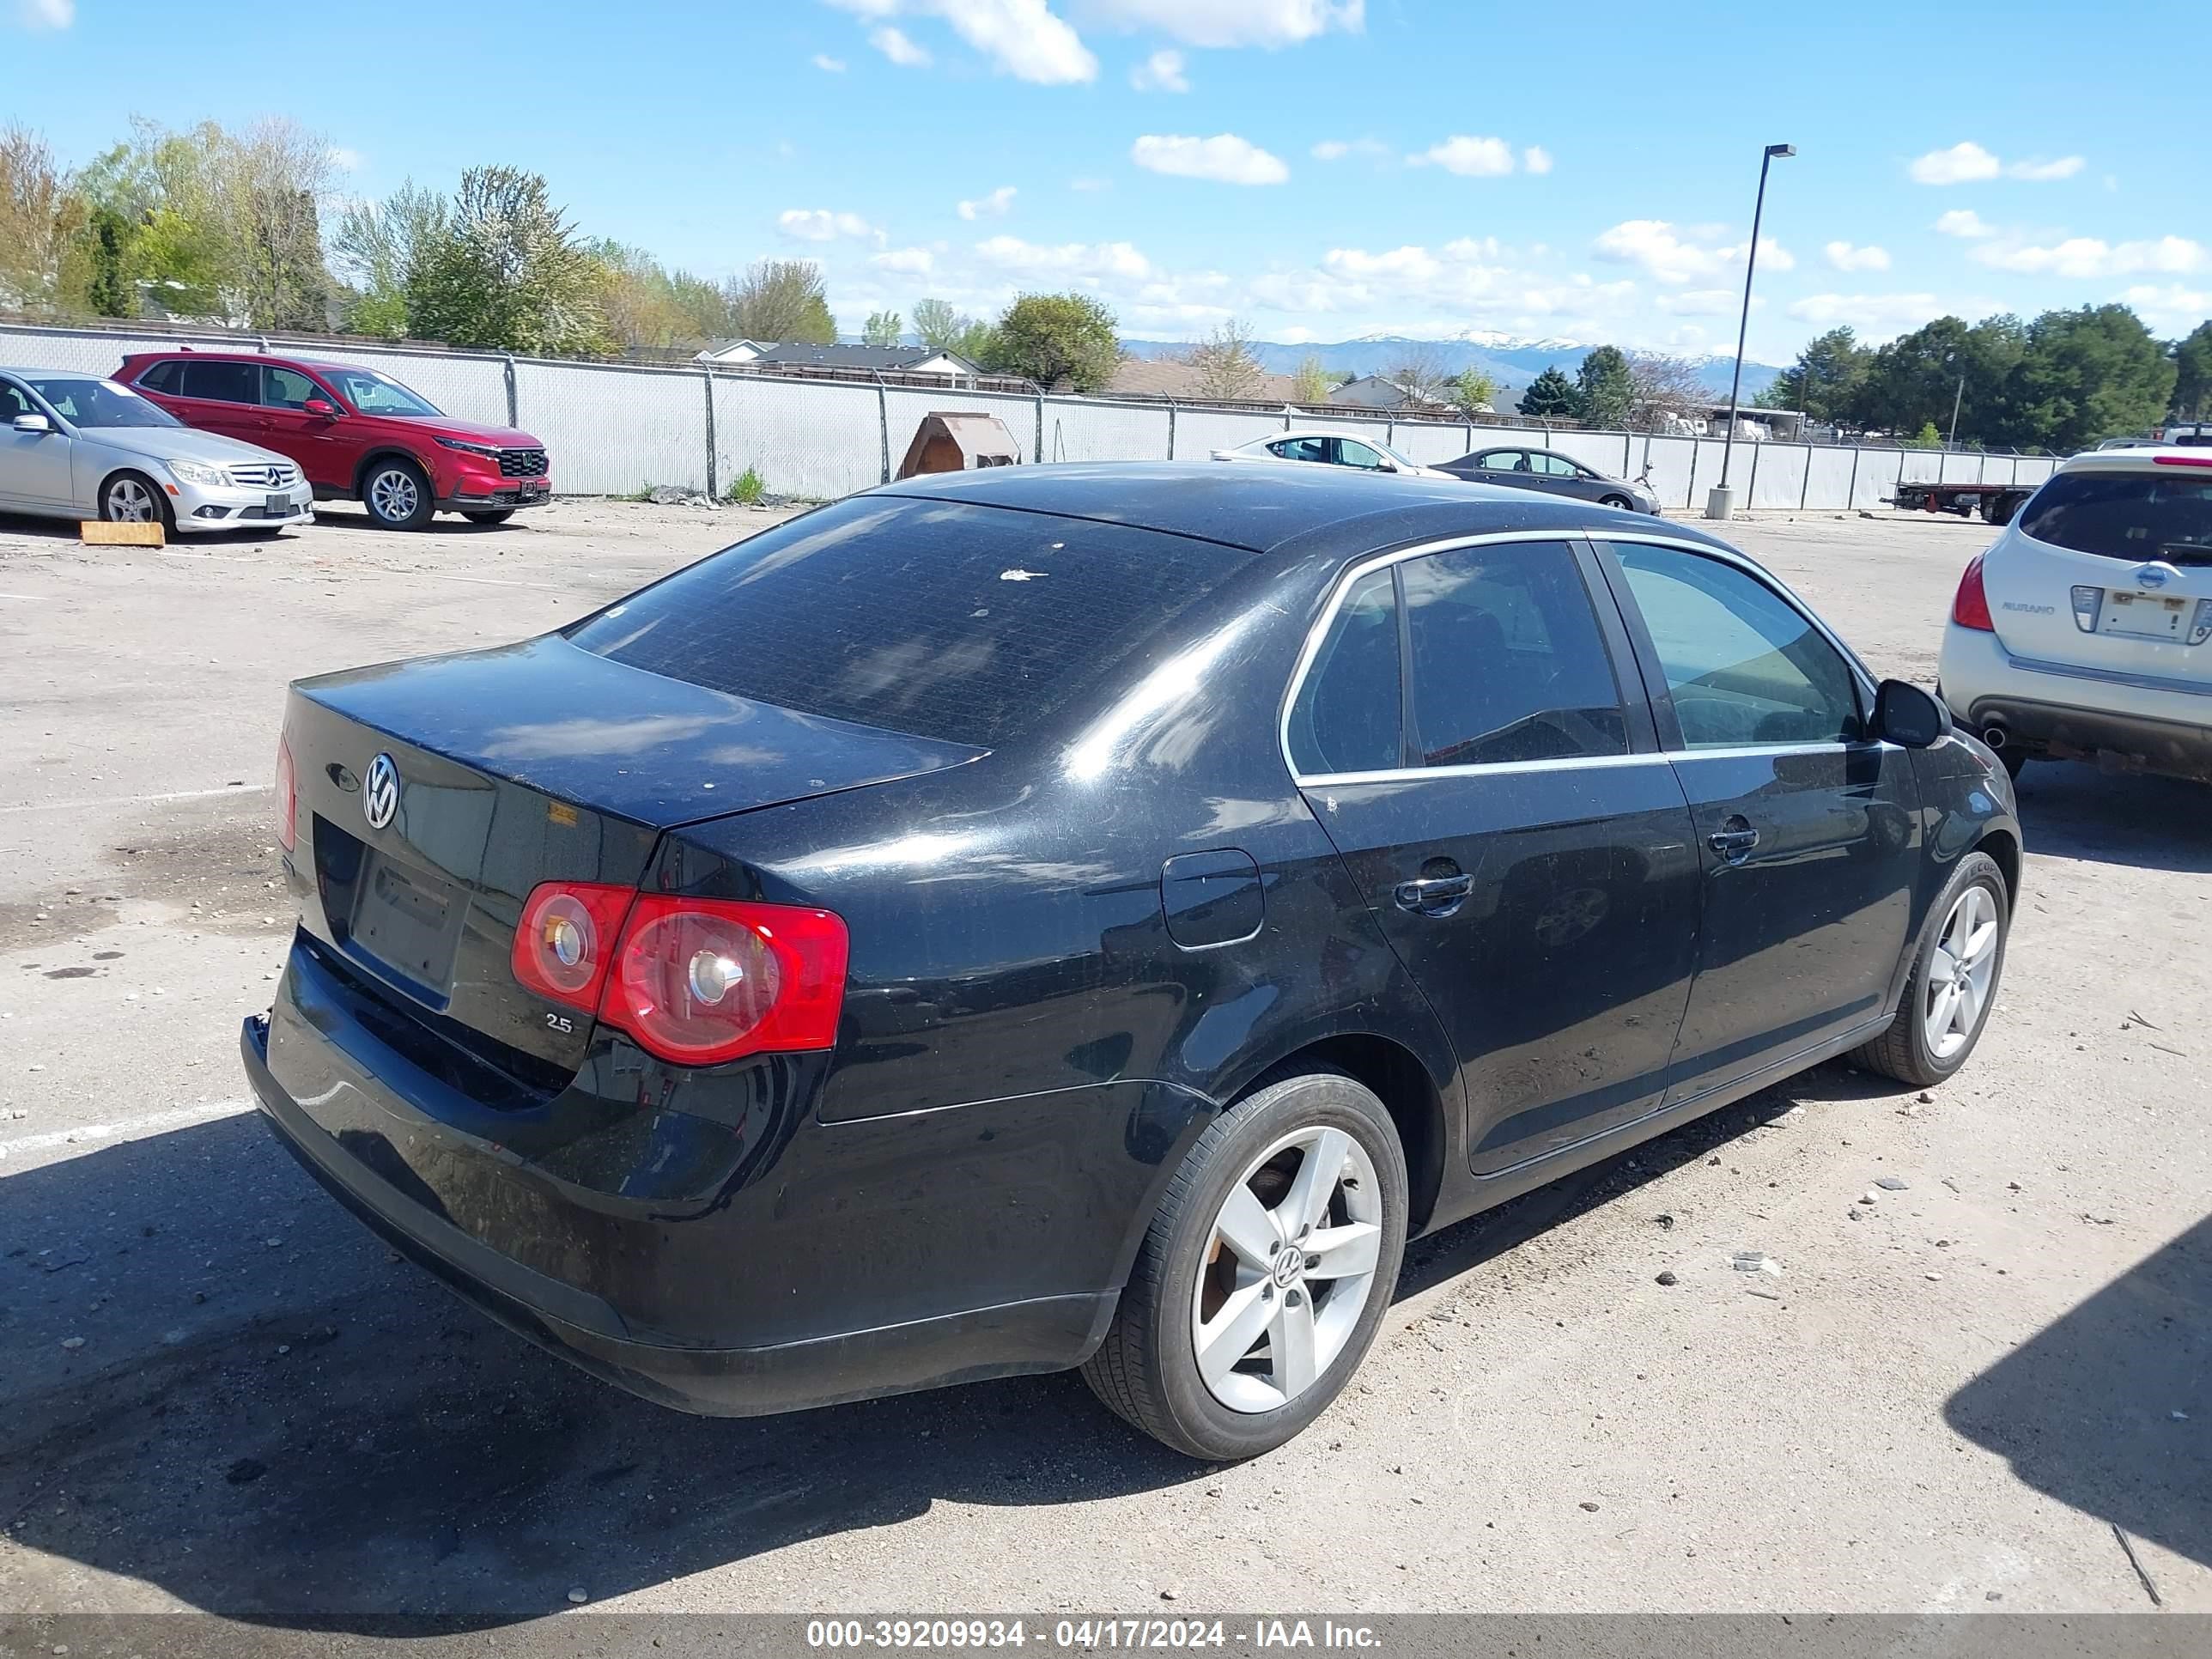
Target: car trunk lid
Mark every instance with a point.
(433, 796)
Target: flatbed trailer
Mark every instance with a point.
(1994, 503)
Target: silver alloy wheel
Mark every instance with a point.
(1960, 972)
(1288, 1268)
(392, 495)
(130, 502)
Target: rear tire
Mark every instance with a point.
(134, 498)
(1621, 503)
(1955, 978)
(495, 515)
(1305, 1174)
(396, 494)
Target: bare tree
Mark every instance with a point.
(781, 299)
(1312, 383)
(1226, 366)
(1661, 386)
(1422, 374)
(41, 219)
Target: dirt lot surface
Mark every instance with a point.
(219, 1393)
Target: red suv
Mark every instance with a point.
(354, 433)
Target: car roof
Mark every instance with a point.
(1264, 508)
(2142, 459)
(275, 360)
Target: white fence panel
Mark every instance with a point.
(1671, 461)
(1778, 479)
(1919, 465)
(1601, 451)
(1431, 443)
(1710, 451)
(1828, 478)
(813, 439)
(80, 353)
(613, 430)
(1199, 432)
(1880, 471)
(1083, 431)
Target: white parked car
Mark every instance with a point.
(2085, 631)
(76, 447)
(1323, 446)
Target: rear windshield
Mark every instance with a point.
(971, 624)
(2138, 516)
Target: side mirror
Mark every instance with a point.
(1905, 715)
(322, 406)
(34, 423)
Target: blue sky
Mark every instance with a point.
(1321, 168)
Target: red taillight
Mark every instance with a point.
(1971, 609)
(697, 981)
(287, 798)
(565, 941)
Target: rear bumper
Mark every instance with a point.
(2133, 721)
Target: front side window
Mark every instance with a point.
(224, 383)
(86, 403)
(1349, 451)
(372, 393)
(1508, 660)
(14, 403)
(1557, 466)
(287, 388)
(1744, 667)
(1345, 718)
(2138, 516)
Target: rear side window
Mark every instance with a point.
(224, 383)
(971, 624)
(1508, 661)
(163, 377)
(2137, 516)
(1345, 718)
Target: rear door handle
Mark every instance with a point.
(1434, 895)
(1734, 839)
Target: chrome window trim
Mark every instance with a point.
(1351, 575)
(2110, 676)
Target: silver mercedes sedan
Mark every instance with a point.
(76, 447)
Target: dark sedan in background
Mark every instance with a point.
(1093, 915)
(1519, 466)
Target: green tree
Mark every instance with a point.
(1926, 438)
(782, 301)
(377, 245)
(1604, 394)
(1945, 364)
(1825, 380)
(45, 252)
(1474, 390)
(882, 328)
(1310, 384)
(937, 325)
(2085, 374)
(1550, 395)
(2192, 375)
(508, 273)
(1056, 338)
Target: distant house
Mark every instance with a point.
(866, 359)
(1169, 377)
(1378, 392)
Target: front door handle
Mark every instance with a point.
(1734, 839)
(1433, 896)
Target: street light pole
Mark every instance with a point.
(1721, 503)
(1957, 397)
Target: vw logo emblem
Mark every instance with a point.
(2152, 575)
(380, 796)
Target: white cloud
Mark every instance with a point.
(2171, 307)
(993, 206)
(820, 225)
(1701, 302)
(1844, 257)
(347, 161)
(1470, 158)
(45, 14)
(1969, 163)
(1961, 164)
(1335, 149)
(1536, 159)
(1094, 261)
(895, 46)
(1269, 23)
(1224, 158)
(828, 65)
(1674, 256)
(1965, 221)
(1089, 185)
(2088, 256)
(1163, 71)
(1877, 315)
(911, 261)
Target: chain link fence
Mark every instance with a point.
(614, 428)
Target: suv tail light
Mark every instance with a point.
(288, 797)
(1971, 609)
(696, 981)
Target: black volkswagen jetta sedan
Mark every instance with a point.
(1093, 915)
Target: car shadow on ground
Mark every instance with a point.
(2071, 809)
(2105, 1409)
(273, 1419)
(351, 515)
(38, 527)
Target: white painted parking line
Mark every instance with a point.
(139, 800)
(89, 1135)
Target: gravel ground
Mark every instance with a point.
(221, 1394)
